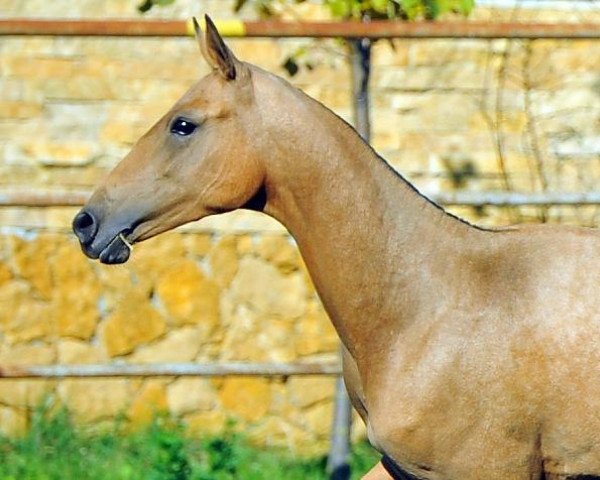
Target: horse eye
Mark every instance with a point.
(183, 127)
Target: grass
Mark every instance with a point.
(55, 449)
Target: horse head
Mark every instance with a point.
(200, 158)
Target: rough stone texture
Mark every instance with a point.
(203, 423)
(151, 400)
(224, 261)
(263, 289)
(23, 317)
(308, 391)
(280, 251)
(188, 395)
(91, 400)
(188, 296)
(78, 352)
(450, 115)
(25, 393)
(182, 345)
(76, 293)
(247, 399)
(134, 322)
(5, 274)
(13, 421)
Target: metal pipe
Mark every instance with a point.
(338, 461)
(169, 370)
(504, 199)
(279, 29)
(43, 198)
(76, 198)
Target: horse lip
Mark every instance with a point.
(110, 251)
(117, 251)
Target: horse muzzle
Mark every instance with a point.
(112, 248)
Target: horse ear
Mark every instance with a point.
(214, 50)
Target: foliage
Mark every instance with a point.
(374, 9)
(358, 9)
(148, 4)
(345, 9)
(55, 449)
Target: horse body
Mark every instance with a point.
(469, 353)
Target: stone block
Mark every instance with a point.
(78, 352)
(122, 133)
(318, 418)
(248, 399)
(245, 245)
(62, 154)
(391, 53)
(199, 244)
(134, 322)
(13, 421)
(305, 392)
(152, 258)
(91, 400)
(77, 88)
(42, 67)
(264, 289)
(277, 432)
(315, 333)
(181, 345)
(25, 393)
(6, 274)
(224, 261)
(188, 296)
(251, 335)
(31, 259)
(23, 317)
(20, 110)
(280, 251)
(266, 53)
(75, 303)
(189, 395)
(118, 283)
(206, 423)
(150, 401)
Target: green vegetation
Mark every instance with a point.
(375, 9)
(403, 9)
(55, 449)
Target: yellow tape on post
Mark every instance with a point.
(227, 28)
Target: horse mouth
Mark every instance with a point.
(118, 250)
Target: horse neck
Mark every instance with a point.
(369, 240)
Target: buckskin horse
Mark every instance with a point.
(470, 353)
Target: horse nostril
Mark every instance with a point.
(85, 226)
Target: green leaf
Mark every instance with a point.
(340, 8)
(466, 6)
(412, 8)
(380, 6)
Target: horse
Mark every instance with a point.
(470, 353)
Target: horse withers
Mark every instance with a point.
(470, 353)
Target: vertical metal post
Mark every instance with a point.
(361, 71)
(338, 464)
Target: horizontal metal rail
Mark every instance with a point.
(43, 198)
(76, 198)
(280, 29)
(169, 370)
(506, 199)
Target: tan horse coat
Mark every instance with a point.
(469, 353)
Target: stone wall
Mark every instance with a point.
(478, 115)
